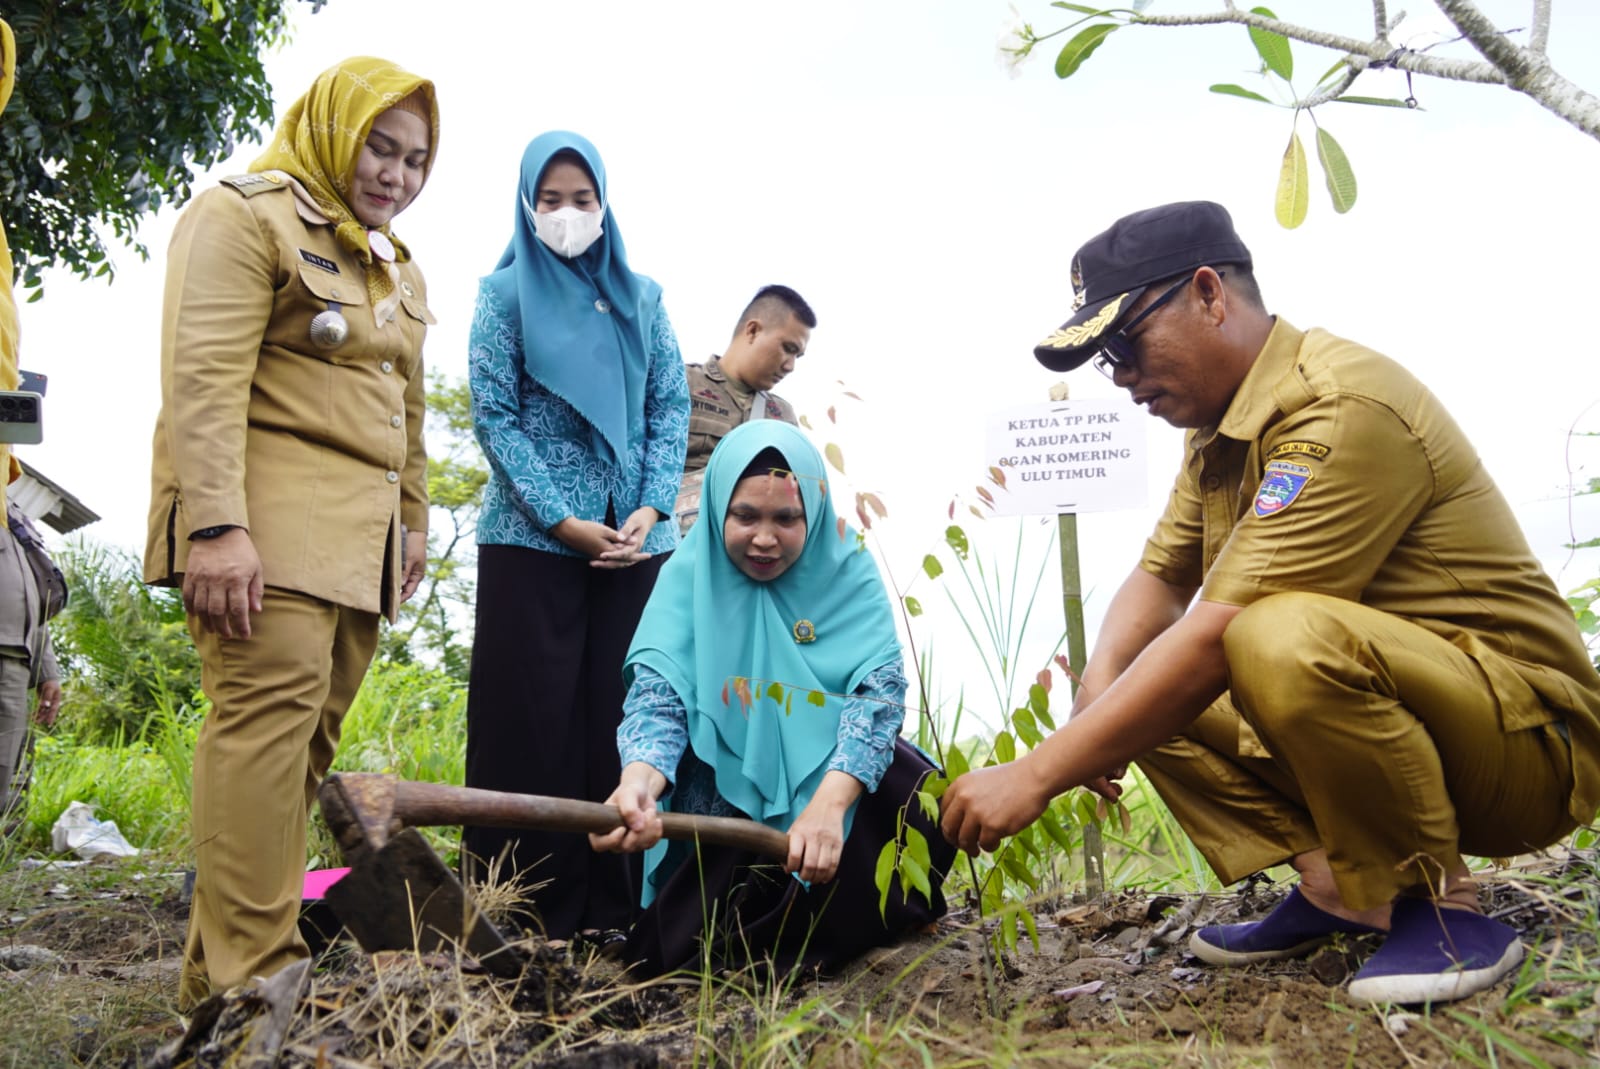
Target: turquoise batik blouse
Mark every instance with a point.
(544, 464)
(655, 730)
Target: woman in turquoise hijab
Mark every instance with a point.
(779, 592)
(580, 403)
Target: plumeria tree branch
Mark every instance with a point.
(1522, 68)
(1539, 36)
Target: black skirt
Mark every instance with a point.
(725, 908)
(543, 706)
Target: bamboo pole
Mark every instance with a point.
(1094, 860)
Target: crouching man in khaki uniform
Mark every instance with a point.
(727, 390)
(1377, 677)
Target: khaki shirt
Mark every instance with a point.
(318, 452)
(716, 406)
(1335, 471)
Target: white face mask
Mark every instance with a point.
(567, 231)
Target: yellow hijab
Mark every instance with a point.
(8, 306)
(319, 139)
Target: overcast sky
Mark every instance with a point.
(873, 155)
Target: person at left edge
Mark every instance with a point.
(580, 403)
(289, 492)
(9, 468)
(28, 660)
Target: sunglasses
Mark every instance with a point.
(1116, 351)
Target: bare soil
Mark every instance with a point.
(88, 967)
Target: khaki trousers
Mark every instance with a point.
(1353, 730)
(16, 709)
(277, 701)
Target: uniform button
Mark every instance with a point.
(334, 294)
(601, 306)
(392, 476)
(394, 421)
(386, 367)
(1212, 482)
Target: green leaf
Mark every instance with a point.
(835, 456)
(1038, 699)
(1377, 102)
(1229, 89)
(928, 802)
(1336, 166)
(1032, 926)
(931, 566)
(1039, 705)
(1018, 871)
(1338, 66)
(775, 691)
(1056, 831)
(913, 606)
(1293, 198)
(1081, 47)
(955, 763)
(1079, 8)
(883, 876)
(956, 539)
(917, 847)
(1005, 747)
(1272, 47)
(1084, 809)
(915, 862)
(817, 698)
(1027, 727)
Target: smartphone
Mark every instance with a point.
(32, 382)
(21, 417)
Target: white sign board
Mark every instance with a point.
(1069, 456)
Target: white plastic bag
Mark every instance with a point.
(78, 830)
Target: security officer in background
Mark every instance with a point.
(725, 391)
(1377, 676)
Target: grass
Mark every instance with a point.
(410, 722)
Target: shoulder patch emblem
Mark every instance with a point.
(709, 394)
(253, 183)
(1314, 450)
(774, 409)
(1280, 486)
(326, 264)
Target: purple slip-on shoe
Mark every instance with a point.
(1294, 928)
(1435, 954)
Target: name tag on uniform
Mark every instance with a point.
(319, 261)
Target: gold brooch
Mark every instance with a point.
(805, 631)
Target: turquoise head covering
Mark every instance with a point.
(585, 321)
(708, 624)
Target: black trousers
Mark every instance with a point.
(543, 706)
(728, 908)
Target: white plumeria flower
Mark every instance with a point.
(1015, 43)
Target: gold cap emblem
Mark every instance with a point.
(1074, 336)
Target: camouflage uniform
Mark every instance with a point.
(717, 404)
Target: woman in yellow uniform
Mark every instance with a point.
(289, 485)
